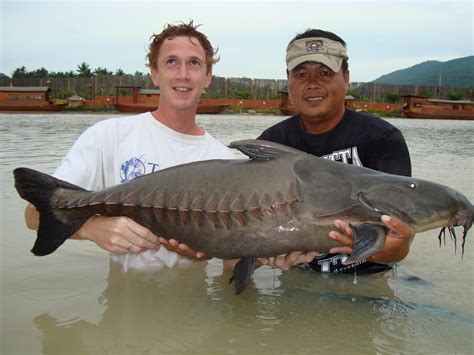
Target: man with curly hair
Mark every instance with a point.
(116, 150)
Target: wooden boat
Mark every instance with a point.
(144, 107)
(28, 99)
(50, 107)
(211, 109)
(144, 100)
(423, 107)
(286, 107)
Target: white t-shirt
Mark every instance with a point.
(119, 149)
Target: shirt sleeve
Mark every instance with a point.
(82, 165)
(392, 155)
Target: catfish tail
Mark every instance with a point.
(38, 189)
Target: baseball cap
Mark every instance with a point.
(316, 49)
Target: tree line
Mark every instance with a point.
(89, 82)
(83, 70)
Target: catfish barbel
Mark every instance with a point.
(278, 201)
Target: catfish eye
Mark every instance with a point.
(412, 185)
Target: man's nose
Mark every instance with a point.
(313, 80)
(183, 72)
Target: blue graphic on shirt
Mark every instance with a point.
(131, 169)
(135, 167)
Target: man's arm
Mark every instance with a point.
(119, 235)
(113, 234)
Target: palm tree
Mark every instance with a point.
(119, 72)
(84, 70)
(41, 73)
(102, 71)
(19, 73)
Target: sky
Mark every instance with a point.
(382, 36)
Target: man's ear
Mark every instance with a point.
(209, 78)
(154, 76)
(346, 79)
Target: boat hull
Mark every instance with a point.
(31, 108)
(439, 115)
(423, 107)
(140, 108)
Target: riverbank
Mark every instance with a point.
(237, 106)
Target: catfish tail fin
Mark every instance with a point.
(38, 189)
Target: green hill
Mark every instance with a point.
(453, 73)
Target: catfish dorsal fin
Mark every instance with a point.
(262, 150)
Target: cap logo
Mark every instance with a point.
(314, 45)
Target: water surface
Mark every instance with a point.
(75, 302)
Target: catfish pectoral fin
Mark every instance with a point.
(369, 239)
(243, 272)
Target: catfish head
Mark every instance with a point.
(421, 204)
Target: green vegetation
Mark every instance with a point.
(240, 94)
(453, 73)
(83, 70)
(354, 94)
(63, 94)
(88, 82)
(273, 96)
(426, 92)
(456, 96)
(392, 97)
(102, 71)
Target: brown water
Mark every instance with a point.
(74, 302)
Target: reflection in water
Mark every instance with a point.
(192, 308)
(144, 312)
(73, 302)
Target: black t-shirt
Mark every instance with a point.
(359, 139)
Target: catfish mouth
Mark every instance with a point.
(463, 219)
(452, 233)
(385, 208)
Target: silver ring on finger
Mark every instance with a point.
(129, 246)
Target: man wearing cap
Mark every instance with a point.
(318, 79)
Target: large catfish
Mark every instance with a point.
(280, 200)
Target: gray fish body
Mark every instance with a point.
(281, 200)
(225, 208)
(237, 208)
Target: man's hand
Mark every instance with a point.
(119, 235)
(115, 234)
(397, 243)
(123, 235)
(286, 261)
(183, 249)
